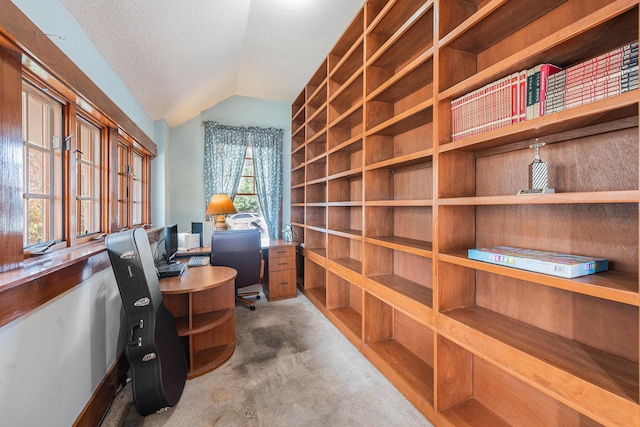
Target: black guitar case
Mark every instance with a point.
(157, 359)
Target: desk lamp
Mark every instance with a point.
(219, 206)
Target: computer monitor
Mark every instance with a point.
(170, 242)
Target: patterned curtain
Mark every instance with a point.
(267, 165)
(224, 150)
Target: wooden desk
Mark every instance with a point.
(202, 300)
(279, 271)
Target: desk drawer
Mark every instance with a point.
(281, 251)
(282, 263)
(282, 284)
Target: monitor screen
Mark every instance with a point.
(170, 242)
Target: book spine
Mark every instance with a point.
(522, 95)
(546, 70)
(515, 102)
(530, 93)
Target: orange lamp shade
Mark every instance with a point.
(220, 205)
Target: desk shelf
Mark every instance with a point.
(202, 301)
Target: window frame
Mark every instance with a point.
(127, 177)
(57, 209)
(98, 170)
(75, 112)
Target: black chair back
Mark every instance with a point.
(241, 250)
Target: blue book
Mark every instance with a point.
(555, 264)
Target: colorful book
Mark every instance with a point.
(546, 70)
(555, 264)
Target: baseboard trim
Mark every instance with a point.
(99, 403)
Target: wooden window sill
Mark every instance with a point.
(45, 277)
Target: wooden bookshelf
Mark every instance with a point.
(387, 205)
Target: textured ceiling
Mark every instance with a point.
(180, 57)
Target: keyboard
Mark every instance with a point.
(197, 261)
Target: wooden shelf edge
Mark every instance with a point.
(351, 173)
(587, 197)
(316, 255)
(525, 56)
(422, 156)
(206, 321)
(470, 413)
(343, 87)
(399, 118)
(542, 351)
(317, 296)
(410, 374)
(349, 322)
(420, 310)
(610, 285)
(412, 246)
(346, 55)
(585, 115)
(349, 234)
(209, 359)
(421, 59)
(351, 145)
(393, 39)
(420, 203)
(345, 272)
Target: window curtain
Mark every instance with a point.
(224, 150)
(267, 165)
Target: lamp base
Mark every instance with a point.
(221, 223)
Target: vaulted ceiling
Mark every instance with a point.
(180, 57)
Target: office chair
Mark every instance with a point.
(241, 250)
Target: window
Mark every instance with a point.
(131, 186)
(137, 174)
(246, 197)
(246, 200)
(42, 127)
(88, 159)
(122, 219)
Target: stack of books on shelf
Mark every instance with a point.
(542, 90)
(491, 107)
(598, 78)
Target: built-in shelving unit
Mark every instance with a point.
(387, 206)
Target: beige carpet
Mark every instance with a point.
(291, 367)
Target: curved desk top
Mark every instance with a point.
(195, 279)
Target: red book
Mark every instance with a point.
(545, 71)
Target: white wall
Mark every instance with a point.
(53, 358)
(185, 182)
(158, 175)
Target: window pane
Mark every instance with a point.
(246, 204)
(136, 196)
(37, 123)
(43, 167)
(137, 213)
(246, 186)
(88, 166)
(247, 169)
(123, 154)
(85, 180)
(85, 217)
(36, 210)
(38, 163)
(122, 213)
